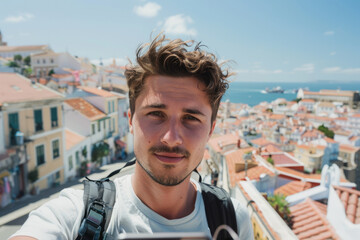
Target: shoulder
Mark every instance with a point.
(58, 218)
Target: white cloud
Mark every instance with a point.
(178, 24)
(259, 71)
(341, 70)
(149, 10)
(332, 69)
(109, 61)
(19, 18)
(329, 33)
(332, 53)
(351, 70)
(307, 68)
(242, 71)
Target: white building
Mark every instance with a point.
(43, 63)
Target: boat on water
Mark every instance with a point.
(277, 89)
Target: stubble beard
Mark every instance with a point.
(164, 178)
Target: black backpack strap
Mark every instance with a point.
(219, 209)
(99, 199)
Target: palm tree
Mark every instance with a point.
(281, 206)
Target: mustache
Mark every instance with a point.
(163, 148)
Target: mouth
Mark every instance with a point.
(169, 157)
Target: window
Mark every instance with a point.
(104, 124)
(99, 126)
(109, 109)
(52, 60)
(38, 120)
(55, 148)
(44, 61)
(57, 175)
(54, 117)
(113, 128)
(13, 127)
(40, 155)
(38, 61)
(93, 128)
(77, 158)
(70, 160)
(113, 105)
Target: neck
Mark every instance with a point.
(171, 202)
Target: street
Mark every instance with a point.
(16, 213)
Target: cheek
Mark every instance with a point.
(144, 132)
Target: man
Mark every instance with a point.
(174, 98)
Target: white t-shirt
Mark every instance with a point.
(60, 218)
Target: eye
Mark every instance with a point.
(191, 118)
(157, 114)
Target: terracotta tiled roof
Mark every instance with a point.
(356, 115)
(61, 75)
(16, 88)
(280, 159)
(260, 141)
(353, 138)
(96, 91)
(348, 148)
(303, 176)
(217, 142)
(271, 148)
(308, 100)
(252, 173)
(310, 221)
(330, 140)
(351, 202)
(85, 108)
(277, 116)
(292, 188)
(72, 139)
(22, 48)
(314, 133)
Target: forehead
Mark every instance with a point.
(180, 90)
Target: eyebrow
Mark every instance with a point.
(185, 110)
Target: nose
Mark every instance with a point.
(172, 136)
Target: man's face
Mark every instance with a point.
(171, 125)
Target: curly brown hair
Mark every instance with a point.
(171, 58)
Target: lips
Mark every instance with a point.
(169, 157)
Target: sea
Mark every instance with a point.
(252, 93)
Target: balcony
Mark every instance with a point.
(9, 161)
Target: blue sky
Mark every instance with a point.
(267, 40)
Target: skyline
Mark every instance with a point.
(266, 41)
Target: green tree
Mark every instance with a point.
(281, 206)
(33, 175)
(17, 58)
(51, 72)
(270, 160)
(27, 71)
(326, 131)
(27, 61)
(13, 64)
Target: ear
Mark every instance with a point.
(130, 121)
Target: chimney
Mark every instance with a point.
(239, 143)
